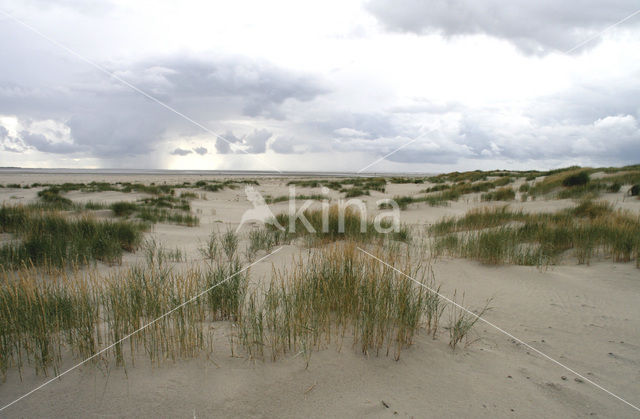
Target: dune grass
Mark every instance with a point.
(339, 225)
(299, 197)
(441, 194)
(41, 317)
(499, 235)
(162, 208)
(50, 238)
(54, 200)
(502, 194)
(402, 179)
(339, 292)
(568, 182)
(352, 187)
(334, 295)
(577, 183)
(263, 239)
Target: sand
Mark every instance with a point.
(586, 317)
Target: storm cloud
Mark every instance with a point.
(107, 119)
(431, 84)
(533, 26)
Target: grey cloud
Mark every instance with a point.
(41, 143)
(222, 147)
(283, 145)
(254, 142)
(201, 150)
(9, 143)
(223, 143)
(611, 138)
(588, 103)
(257, 141)
(108, 120)
(180, 152)
(372, 125)
(534, 26)
(256, 88)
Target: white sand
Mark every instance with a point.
(587, 318)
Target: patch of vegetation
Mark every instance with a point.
(355, 192)
(163, 215)
(437, 188)
(123, 208)
(167, 201)
(300, 197)
(49, 238)
(94, 206)
(160, 208)
(219, 185)
(569, 182)
(188, 195)
(357, 186)
(263, 239)
(502, 194)
(614, 187)
(81, 313)
(52, 198)
(339, 225)
(461, 322)
(496, 236)
(577, 179)
(339, 290)
(416, 180)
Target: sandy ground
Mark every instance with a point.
(587, 318)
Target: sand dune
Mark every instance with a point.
(585, 317)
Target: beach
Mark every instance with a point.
(582, 317)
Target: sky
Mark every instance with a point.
(319, 86)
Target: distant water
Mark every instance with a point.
(242, 173)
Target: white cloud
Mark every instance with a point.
(346, 81)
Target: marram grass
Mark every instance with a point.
(56, 239)
(335, 295)
(500, 235)
(340, 291)
(43, 316)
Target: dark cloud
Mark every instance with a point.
(42, 143)
(222, 147)
(611, 138)
(254, 142)
(223, 143)
(534, 26)
(596, 116)
(257, 141)
(108, 120)
(180, 152)
(251, 88)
